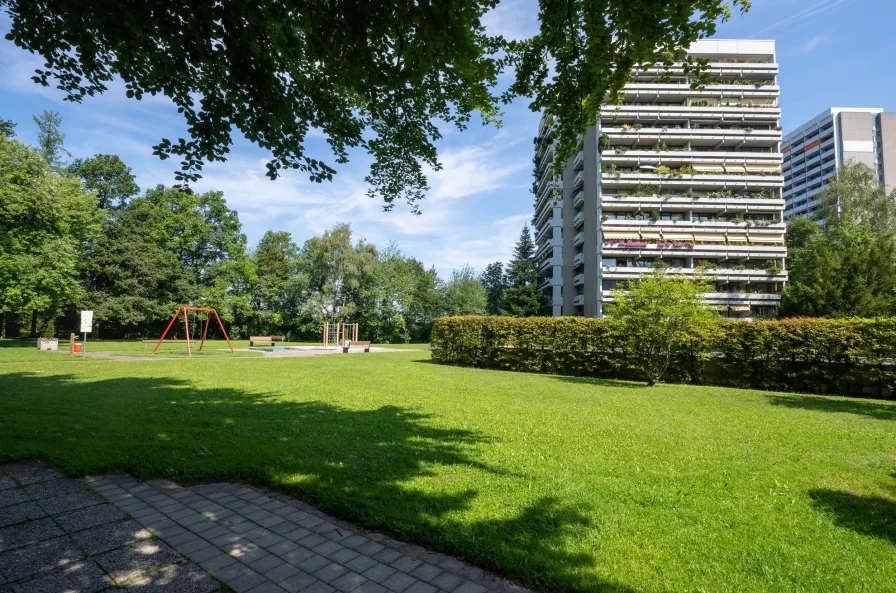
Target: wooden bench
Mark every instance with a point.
(266, 340)
(366, 346)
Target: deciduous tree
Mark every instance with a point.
(380, 75)
(658, 315)
(495, 283)
(108, 177)
(464, 293)
(45, 219)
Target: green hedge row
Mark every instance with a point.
(846, 356)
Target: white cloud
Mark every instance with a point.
(473, 170)
(451, 231)
(514, 19)
(811, 44)
(804, 16)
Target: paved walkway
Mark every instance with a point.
(62, 535)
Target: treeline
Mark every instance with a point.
(842, 261)
(81, 235)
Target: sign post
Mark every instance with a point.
(86, 327)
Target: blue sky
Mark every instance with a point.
(831, 52)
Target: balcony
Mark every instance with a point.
(628, 135)
(707, 182)
(578, 219)
(578, 239)
(714, 205)
(578, 260)
(579, 180)
(579, 161)
(734, 252)
(745, 115)
(578, 280)
(736, 162)
(732, 94)
(717, 274)
(578, 300)
(578, 199)
(727, 299)
(544, 249)
(546, 157)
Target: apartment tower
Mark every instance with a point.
(673, 178)
(814, 151)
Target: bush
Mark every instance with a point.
(845, 356)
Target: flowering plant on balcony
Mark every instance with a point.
(635, 244)
(675, 244)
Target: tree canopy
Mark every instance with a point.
(376, 75)
(108, 177)
(855, 193)
(842, 262)
(45, 219)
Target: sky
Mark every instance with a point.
(832, 53)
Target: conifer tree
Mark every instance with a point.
(521, 296)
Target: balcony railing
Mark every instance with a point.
(578, 280)
(578, 239)
(578, 260)
(578, 300)
(578, 219)
(579, 160)
(579, 180)
(578, 199)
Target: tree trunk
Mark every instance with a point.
(34, 324)
(3, 325)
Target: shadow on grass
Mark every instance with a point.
(20, 343)
(564, 378)
(817, 403)
(614, 383)
(868, 515)
(369, 465)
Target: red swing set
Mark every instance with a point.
(209, 311)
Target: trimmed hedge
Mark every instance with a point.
(844, 356)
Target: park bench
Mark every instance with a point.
(348, 345)
(265, 340)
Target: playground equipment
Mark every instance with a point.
(209, 312)
(339, 334)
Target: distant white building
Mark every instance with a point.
(814, 151)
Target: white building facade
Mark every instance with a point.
(815, 150)
(684, 180)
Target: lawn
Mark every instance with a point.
(566, 483)
(24, 350)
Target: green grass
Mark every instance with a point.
(568, 483)
(25, 350)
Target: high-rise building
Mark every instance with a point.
(814, 151)
(675, 178)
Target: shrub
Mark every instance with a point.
(846, 356)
